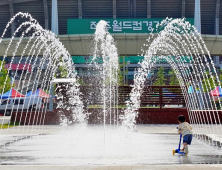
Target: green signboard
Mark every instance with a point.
(88, 26)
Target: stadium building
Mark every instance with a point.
(130, 22)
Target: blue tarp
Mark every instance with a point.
(190, 90)
(29, 93)
(11, 94)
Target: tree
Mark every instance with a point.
(212, 81)
(4, 79)
(160, 77)
(220, 77)
(120, 73)
(173, 78)
(61, 71)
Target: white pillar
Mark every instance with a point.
(197, 16)
(148, 8)
(217, 18)
(54, 27)
(114, 9)
(216, 29)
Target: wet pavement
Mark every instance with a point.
(93, 147)
(115, 167)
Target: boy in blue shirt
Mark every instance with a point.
(186, 130)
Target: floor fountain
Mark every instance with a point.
(82, 144)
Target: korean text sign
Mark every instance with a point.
(88, 26)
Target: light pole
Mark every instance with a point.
(124, 70)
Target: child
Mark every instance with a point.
(186, 130)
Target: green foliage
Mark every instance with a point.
(220, 77)
(61, 71)
(48, 90)
(4, 79)
(160, 77)
(81, 82)
(7, 125)
(212, 81)
(173, 78)
(120, 73)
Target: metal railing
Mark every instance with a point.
(151, 95)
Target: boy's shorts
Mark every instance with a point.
(187, 139)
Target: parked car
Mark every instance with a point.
(18, 104)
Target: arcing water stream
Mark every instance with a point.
(180, 39)
(46, 52)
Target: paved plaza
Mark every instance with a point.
(96, 147)
(123, 167)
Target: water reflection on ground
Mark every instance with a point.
(92, 145)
